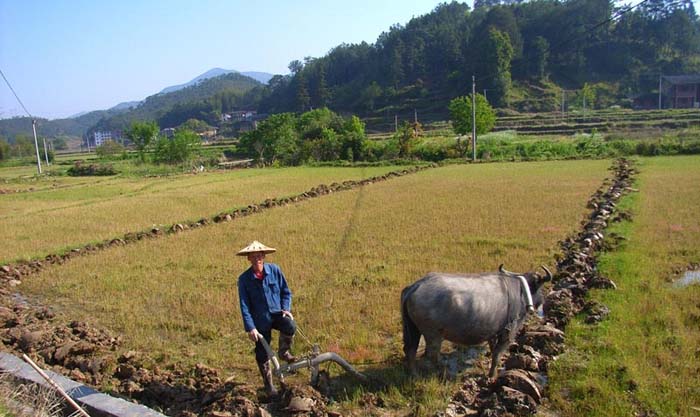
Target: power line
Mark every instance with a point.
(16, 96)
(36, 142)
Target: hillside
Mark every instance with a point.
(431, 59)
(261, 77)
(233, 88)
(165, 107)
(71, 127)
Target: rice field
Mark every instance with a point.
(69, 212)
(346, 256)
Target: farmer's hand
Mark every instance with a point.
(254, 335)
(286, 313)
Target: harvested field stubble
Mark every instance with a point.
(346, 255)
(53, 219)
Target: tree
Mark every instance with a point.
(461, 116)
(586, 96)
(537, 57)
(4, 149)
(142, 134)
(60, 143)
(24, 146)
(406, 137)
(180, 148)
(108, 149)
(302, 97)
(353, 139)
(295, 66)
(196, 126)
(274, 138)
(498, 53)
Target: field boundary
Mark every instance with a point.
(13, 272)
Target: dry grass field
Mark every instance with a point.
(77, 211)
(346, 256)
(645, 359)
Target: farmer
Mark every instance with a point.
(266, 304)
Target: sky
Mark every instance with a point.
(69, 56)
(64, 57)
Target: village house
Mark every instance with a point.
(681, 91)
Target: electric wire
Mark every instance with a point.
(15, 94)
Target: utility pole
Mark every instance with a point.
(415, 116)
(36, 146)
(473, 118)
(46, 151)
(563, 103)
(660, 91)
(396, 123)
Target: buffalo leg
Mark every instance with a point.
(432, 347)
(498, 345)
(410, 348)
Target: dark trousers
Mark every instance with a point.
(285, 325)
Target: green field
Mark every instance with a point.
(77, 211)
(644, 360)
(346, 255)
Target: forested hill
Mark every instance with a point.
(204, 100)
(71, 127)
(432, 58)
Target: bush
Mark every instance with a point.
(79, 169)
(180, 148)
(43, 156)
(108, 149)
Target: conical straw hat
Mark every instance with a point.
(255, 247)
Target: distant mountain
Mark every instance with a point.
(70, 126)
(126, 105)
(262, 77)
(74, 116)
(231, 86)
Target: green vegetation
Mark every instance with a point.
(109, 149)
(182, 147)
(142, 134)
(643, 360)
(317, 135)
(346, 255)
(81, 169)
(550, 44)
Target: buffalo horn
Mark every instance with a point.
(549, 274)
(504, 271)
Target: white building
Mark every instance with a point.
(101, 136)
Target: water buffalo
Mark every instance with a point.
(467, 309)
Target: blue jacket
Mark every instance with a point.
(262, 298)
